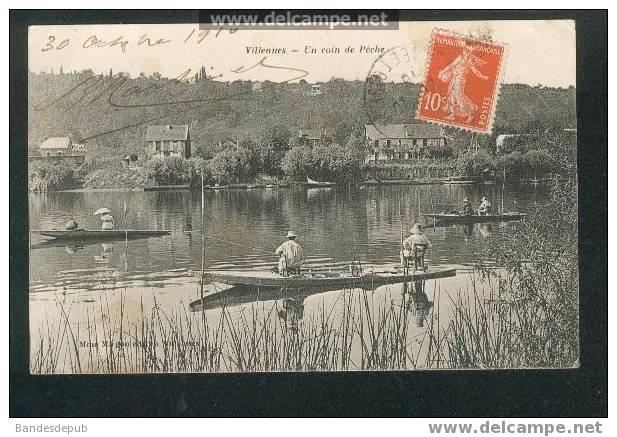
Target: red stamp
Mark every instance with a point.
(462, 81)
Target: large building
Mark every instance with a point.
(387, 142)
(168, 140)
(56, 146)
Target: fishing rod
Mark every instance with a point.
(126, 240)
(212, 237)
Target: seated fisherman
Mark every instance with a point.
(70, 225)
(467, 209)
(485, 207)
(291, 257)
(410, 245)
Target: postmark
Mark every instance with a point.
(461, 82)
(393, 65)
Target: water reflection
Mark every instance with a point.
(106, 252)
(418, 304)
(291, 312)
(335, 227)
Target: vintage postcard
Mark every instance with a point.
(302, 193)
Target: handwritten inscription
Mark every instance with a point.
(120, 93)
(194, 37)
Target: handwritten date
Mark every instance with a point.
(194, 37)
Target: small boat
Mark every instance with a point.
(310, 183)
(457, 182)
(242, 294)
(167, 188)
(100, 235)
(331, 281)
(455, 217)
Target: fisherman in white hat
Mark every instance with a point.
(485, 207)
(415, 246)
(467, 209)
(291, 257)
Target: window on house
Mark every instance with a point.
(158, 146)
(414, 142)
(376, 142)
(387, 142)
(424, 141)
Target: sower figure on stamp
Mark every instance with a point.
(455, 75)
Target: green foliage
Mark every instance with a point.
(231, 110)
(476, 164)
(540, 276)
(272, 149)
(232, 164)
(553, 154)
(326, 162)
(171, 171)
(298, 163)
(52, 176)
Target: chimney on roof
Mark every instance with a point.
(169, 127)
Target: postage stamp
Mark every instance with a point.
(461, 84)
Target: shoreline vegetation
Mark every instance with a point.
(279, 131)
(237, 166)
(523, 314)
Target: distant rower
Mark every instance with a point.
(291, 257)
(467, 209)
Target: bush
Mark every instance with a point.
(52, 176)
(477, 165)
(298, 163)
(327, 162)
(232, 164)
(171, 171)
(540, 276)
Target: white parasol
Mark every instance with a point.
(102, 211)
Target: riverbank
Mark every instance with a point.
(285, 185)
(110, 175)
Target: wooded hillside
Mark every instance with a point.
(109, 114)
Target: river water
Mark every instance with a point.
(335, 226)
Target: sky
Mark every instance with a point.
(539, 52)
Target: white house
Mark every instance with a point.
(386, 142)
(56, 146)
(168, 140)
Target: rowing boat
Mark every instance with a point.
(310, 183)
(100, 235)
(453, 217)
(249, 286)
(242, 294)
(371, 278)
